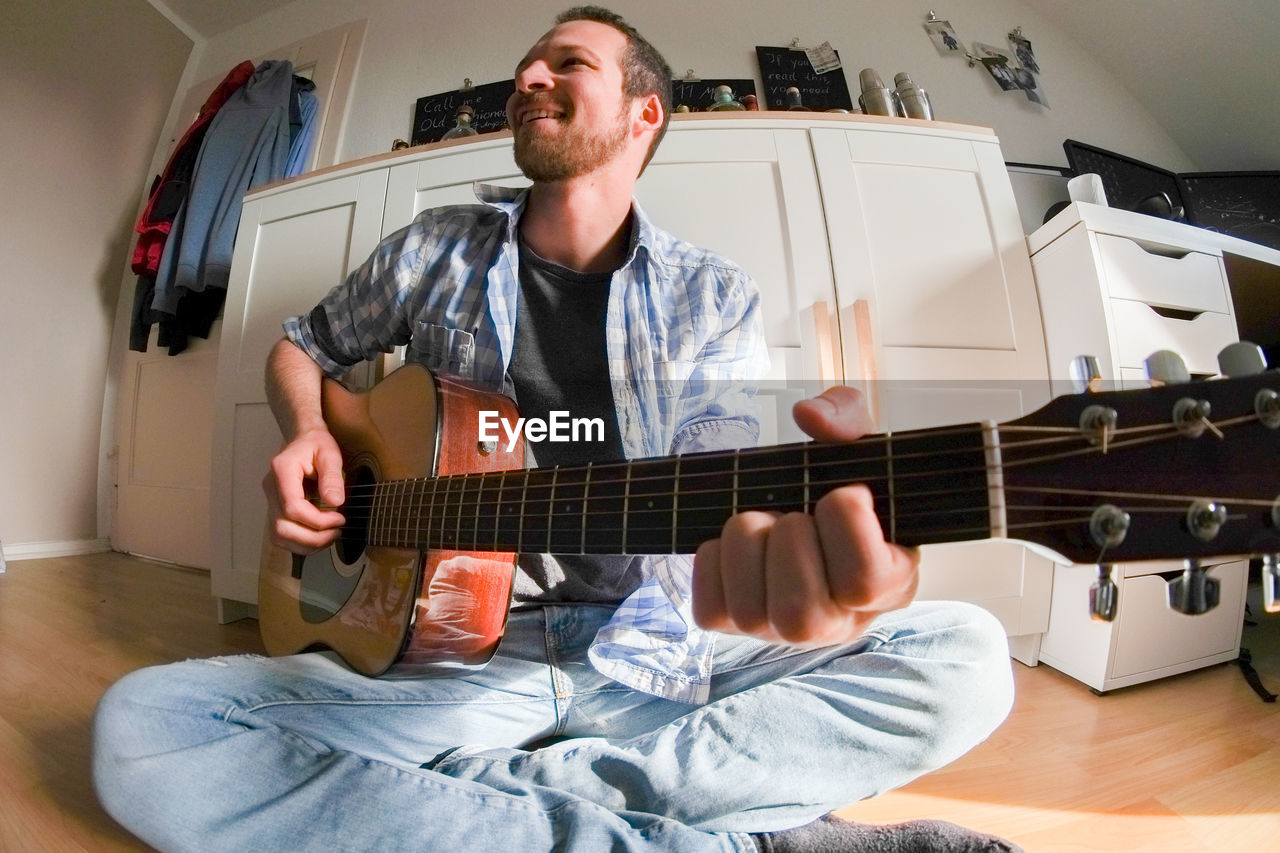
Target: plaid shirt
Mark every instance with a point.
(683, 339)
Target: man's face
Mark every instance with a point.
(568, 113)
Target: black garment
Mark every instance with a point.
(558, 363)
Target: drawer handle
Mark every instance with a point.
(1175, 313)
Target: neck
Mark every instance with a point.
(930, 486)
(582, 223)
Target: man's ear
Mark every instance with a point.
(650, 115)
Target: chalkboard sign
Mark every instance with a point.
(783, 67)
(434, 115)
(700, 94)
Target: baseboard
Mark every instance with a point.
(66, 548)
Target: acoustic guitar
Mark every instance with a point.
(423, 568)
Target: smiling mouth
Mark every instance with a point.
(537, 108)
(535, 115)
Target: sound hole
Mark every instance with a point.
(329, 577)
(355, 535)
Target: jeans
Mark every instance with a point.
(538, 752)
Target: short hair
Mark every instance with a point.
(644, 71)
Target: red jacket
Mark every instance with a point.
(170, 187)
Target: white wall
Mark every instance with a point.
(415, 48)
(85, 88)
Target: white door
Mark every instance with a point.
(164, 417)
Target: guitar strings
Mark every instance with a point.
(415, 490)
(395, 492)
(371, 490)
(1066, 435)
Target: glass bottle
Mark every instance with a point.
(723, 99)
(462, 124)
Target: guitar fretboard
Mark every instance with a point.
(929, 486)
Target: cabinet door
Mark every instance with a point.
(937, 300)
(292, 247)
(446, 177)
(752, 195)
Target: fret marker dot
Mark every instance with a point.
(650, 505)
(769, 497)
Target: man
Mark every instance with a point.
(606, 720)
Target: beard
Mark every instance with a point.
(571, 153)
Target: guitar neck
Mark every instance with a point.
(929, 486)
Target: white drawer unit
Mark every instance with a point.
(1119, 299)
(1148, 639)
(1119, 286)
(1162, 276)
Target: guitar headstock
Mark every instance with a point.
(1181, 470)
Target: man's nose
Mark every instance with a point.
(536, 75)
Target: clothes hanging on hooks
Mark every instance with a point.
(168, 191)
(246, 146)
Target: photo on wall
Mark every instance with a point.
(999, 64)
(944, 37)
(1025, 55)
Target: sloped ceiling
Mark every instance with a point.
(205, 19)
(1205, 68)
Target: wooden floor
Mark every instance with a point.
(1190, 763)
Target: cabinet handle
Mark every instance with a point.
(867, 358)
(825, 334)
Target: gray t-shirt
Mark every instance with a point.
(558, 363)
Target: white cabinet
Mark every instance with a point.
(874, 241)
(1119, 286)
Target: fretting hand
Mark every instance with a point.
(802, 579)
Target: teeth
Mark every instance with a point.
(537, 114)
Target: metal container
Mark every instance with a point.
(913, 100)
(876, 99)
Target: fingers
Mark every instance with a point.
(863, 571)
(837, 414)
(329, 480)
(296, 522)
(802, 580)
(742, 548)
(709, 609)
(799, 601)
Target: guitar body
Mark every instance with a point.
(376, 604)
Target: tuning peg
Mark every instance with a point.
(1085, 374)
(1194, 592)
(1165, 367)
(1241, 359)
(1103, 596)
(1271, 583)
